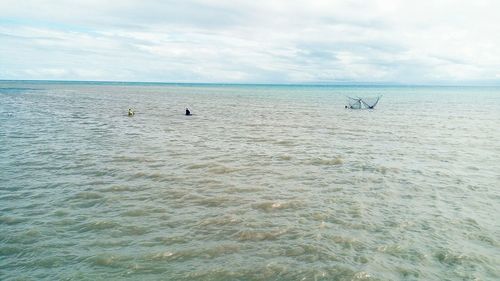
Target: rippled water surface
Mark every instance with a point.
(261, 183)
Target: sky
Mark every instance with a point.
(258, 41)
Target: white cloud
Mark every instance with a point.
(259, 41)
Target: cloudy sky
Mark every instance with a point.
(258, 41)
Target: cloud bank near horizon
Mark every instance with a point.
(383, 41)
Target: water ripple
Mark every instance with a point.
(262, 183)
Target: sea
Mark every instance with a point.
(262, 182)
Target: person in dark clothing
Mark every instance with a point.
(187, 111)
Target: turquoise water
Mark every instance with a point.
(262, 183)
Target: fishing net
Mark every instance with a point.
(370, 102)
(359, 103)
(354, 103)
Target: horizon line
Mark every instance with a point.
(337, 83)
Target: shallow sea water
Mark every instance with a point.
(261, 183)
